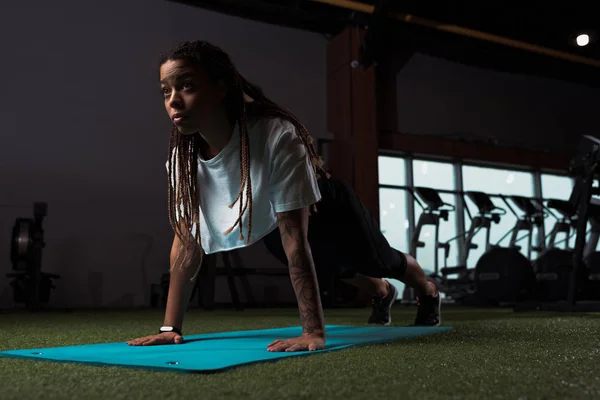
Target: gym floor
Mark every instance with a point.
(491, 353)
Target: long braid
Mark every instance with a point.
(183, 201)
(184, 149)
(245, 178)
(247, 170)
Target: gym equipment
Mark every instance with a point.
(503, 274)
(592, 257)
(433, 211)
(565, 223)
(204, 288)
(553, 266)
(212, 352)
(487, 214)
(533, 217)
(585, 167)
(30, 285)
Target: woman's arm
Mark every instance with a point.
(181, 284)
(293, 227)
(183, 270)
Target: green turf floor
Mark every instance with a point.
(490, 354)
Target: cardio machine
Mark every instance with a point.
(503, 274)
(554, 265)
(435, 210)
(592, 256)
(585, 168)
(30, 284)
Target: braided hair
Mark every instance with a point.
(184, 148)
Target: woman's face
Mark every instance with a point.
(191, 98)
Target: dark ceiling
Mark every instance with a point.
(551, 26)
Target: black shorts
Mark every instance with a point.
(344, 238)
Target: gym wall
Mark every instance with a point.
(439, 97)
(84, 128)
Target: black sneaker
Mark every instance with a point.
(428, 311)
(382, 307)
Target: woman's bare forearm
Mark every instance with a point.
(293, 227)
(306, 287)
(181, 284)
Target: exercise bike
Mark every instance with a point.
(487, 214)
(553, 266)
(592, 256)
(434, 210)
(503, 275)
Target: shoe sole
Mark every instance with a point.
(391, 304)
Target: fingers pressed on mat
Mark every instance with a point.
(278, 347)
(295, 347)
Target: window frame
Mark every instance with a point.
(458, 165)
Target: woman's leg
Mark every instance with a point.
(376, 287)
(414, 277)
(346, 241)
(374, 258)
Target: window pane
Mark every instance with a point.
(556, 187)
(447, 230)
(394, 223)
(392, 171)
(496, 181)
(435, 175)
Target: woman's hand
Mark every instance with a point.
(162, 338)
(305, 342)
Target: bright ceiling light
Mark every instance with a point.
(582, 40)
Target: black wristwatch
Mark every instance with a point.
(166, 328)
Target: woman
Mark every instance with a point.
(230, 144)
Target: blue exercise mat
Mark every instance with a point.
(215, 351)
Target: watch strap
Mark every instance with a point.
(164, 329)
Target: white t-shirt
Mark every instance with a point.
(282, 175)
